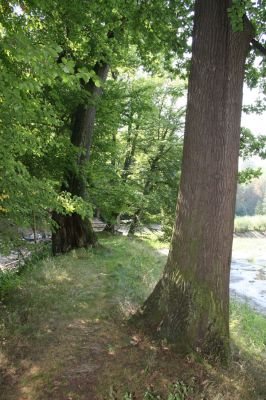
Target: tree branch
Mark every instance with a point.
(258, 46)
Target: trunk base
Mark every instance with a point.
(110, 228)
(187, 318)
(72, 232)
(134, 224)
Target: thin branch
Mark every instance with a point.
(258, 46)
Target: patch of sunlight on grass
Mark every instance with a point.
(63, 276)
(248, 329)
(155, 240)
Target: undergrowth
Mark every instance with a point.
(11, 278)
(250, 223)
(156, 240)
(176, 391)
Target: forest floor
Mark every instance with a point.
(63, 335)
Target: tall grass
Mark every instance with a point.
(250, 223)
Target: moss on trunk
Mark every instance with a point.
(186, 315)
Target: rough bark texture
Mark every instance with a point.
(189, 305)
(85, 116)
(72, 230)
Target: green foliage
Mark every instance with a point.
(68, 204)
(251, 145)
(9, 281)
(178, 391)
(248, 174)
(254, 11)
(236, 13)
(48, 53)
(105, 31)
(250, 197)
(136, 156)
(250, 223)
(33, 138)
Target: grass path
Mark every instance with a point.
(63, 335)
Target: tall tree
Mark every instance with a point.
(73, 230)
(101, 34)
(31, 128)
(189, 305)
(134, 173)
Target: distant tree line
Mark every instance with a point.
(251, 197)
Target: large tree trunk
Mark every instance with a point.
(189, 305)
(72, 231)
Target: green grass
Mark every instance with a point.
(8, 281)
(248, 329)
(60, 306)
(63, 332)
(250, 223)
(177, 391)
(155, 240)
(11, 278)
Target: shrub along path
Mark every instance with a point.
(64, 337)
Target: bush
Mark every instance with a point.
(250, 223)
(8, 281)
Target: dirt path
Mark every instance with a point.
(60, 336)
(64, 338)
(63, 327)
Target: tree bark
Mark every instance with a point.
(72, 231)
(190, 304)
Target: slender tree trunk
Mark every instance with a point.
(109, 227)
(146, 190)
(72, 231)
(132, 138)
(34, 227)
(134, 224)
(132, 141)
(189, 305)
